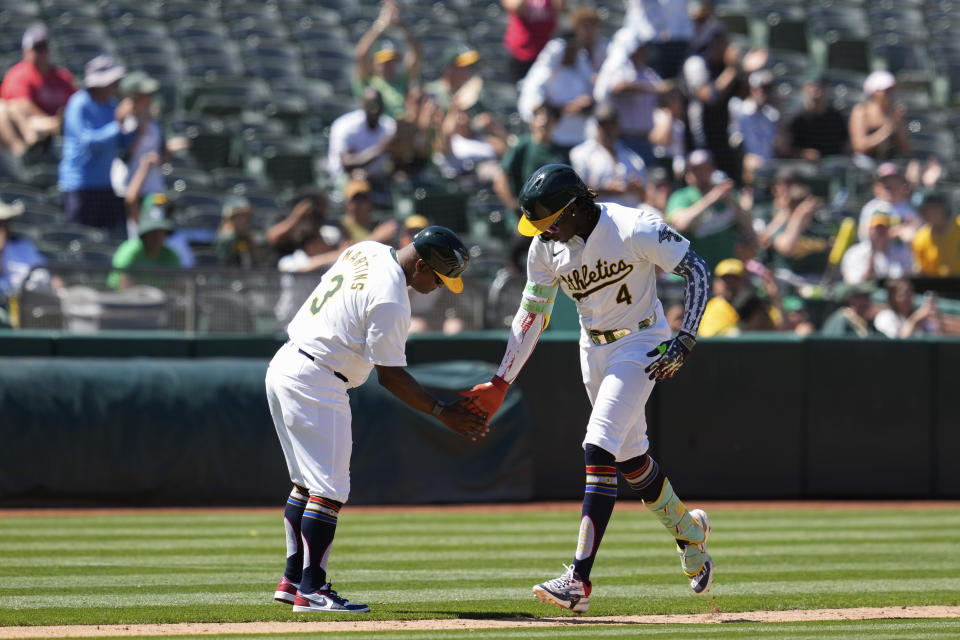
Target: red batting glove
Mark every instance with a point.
(488, 396)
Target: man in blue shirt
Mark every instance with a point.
(95, 128)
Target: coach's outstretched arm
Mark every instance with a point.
(673, 352)
(456, 416)
(531, 319)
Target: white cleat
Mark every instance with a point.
(567, 592)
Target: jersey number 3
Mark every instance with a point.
(623, 295)
(337, 283)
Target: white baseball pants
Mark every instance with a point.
(311, 412)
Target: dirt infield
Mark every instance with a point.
(622, 505)
(298, 628)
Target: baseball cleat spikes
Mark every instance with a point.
(326, 599)
(568, 591)
(701, 582)
(286, 591)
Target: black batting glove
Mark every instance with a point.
(671, 354)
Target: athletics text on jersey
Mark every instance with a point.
(612, 275)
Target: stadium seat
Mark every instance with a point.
(849, 54)
(786, 33)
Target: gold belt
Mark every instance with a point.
(598, 337)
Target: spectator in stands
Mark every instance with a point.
(798, 241)
(855, 318)
(235, 244)
(754, 122)
(470, 145)
(632, 87)
(729, 282)
(95, 128)
(321, 247)
(529, 153)
(359, 141)
(936, 246)
(877, 258)
(530, 25)
(149, 139)
(381, 71)
(460, 81)
(667, 26)
(795, 317)
(901, 319)
(878, 126)
(411, 148)
(308, 212)
(707, 210)
(147, 250)
(178, 242)
(711, 76)
(34, 94)
(585, 23)
(658, 188)
(607, 165)
(891, 195)
(562, 77)
(18, 254)
(356, 221)
(669, 132)
(817, 130)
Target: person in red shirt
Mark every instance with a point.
(530, 26)
(34, 93)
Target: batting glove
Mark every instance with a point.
(487, 396)
(671, 354)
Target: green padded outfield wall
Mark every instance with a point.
(164, 419)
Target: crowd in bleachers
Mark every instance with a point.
(807, 149)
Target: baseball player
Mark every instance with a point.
(355, 320)
(604, 256)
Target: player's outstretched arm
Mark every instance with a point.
(672, 353)
(454, 416)
(531, 319)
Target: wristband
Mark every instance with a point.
(437, 409)
(687, 340)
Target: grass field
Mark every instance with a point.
(123, 569)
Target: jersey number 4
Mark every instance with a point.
(623, 295)
(337, 283)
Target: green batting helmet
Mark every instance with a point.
(551, 189)
(443, 252)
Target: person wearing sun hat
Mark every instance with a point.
(380, 70)
(95, 131)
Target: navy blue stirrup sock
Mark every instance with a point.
(317, 531)
(599, 497)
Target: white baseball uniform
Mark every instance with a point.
(612, 279)
(357, 317)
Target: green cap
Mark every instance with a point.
(138, 82)
(844, 291)
(459, 56)
(152, 214)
